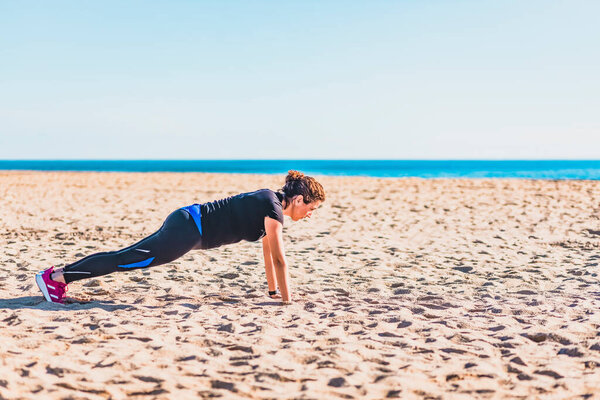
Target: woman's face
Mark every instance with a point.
(302, 210)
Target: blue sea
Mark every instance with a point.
(526, 169)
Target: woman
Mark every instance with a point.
(247, 216)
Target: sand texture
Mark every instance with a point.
(403, 288)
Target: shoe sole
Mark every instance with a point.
(42, 286)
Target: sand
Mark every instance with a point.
(403, 288)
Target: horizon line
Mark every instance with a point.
(296, 159)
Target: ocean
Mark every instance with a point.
(524, 169)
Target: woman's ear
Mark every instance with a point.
(299, 199)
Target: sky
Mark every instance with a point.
(300, 79)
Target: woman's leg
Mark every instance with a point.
(178, 235)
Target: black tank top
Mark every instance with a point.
(240, 217)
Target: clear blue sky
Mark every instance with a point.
(299, 79)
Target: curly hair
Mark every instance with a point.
(296, 183)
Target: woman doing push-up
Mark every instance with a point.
(247, 216)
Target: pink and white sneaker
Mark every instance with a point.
(53, 291)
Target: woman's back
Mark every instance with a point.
(239, 217)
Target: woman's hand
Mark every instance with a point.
(276, 295)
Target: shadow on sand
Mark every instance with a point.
(38, 303)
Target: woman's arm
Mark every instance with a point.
(269, 267)
(274, 230)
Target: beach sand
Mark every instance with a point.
(403, 288)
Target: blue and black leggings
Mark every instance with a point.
(178, 235)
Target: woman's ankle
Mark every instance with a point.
(57, 276)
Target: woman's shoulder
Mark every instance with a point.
(267, 194)
(273, 206)
(273, 196)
